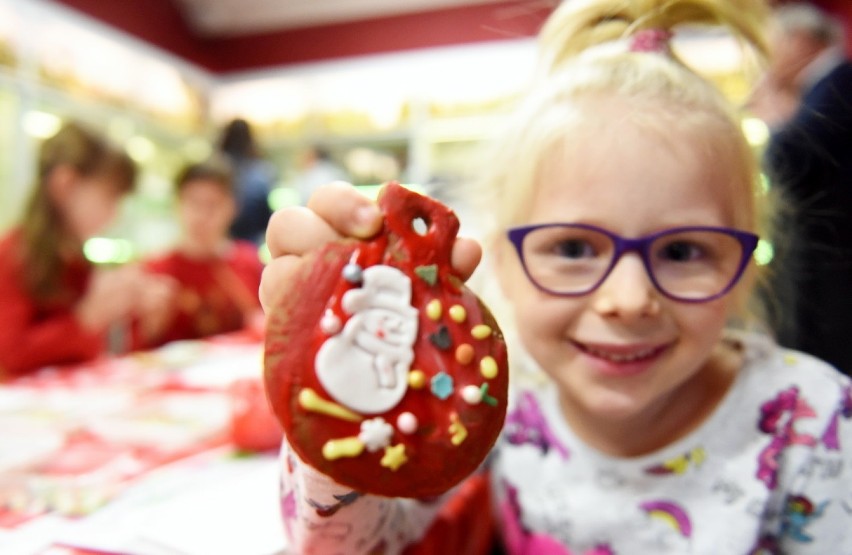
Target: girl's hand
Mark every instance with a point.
(155, 304)
(333, 212)
(111, 296)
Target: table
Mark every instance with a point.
(139, 455)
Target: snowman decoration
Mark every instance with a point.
(365, 366)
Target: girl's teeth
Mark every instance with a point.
(618, 357)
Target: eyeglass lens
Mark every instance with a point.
(684, 264)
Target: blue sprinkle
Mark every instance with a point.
(353, 273)
(442, 385)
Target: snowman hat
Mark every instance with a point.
(382, 287)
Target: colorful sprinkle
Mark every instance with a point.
(429, 273)
(458, 313)
(441, 338)
(311, 402)
(337, 448)
(488, 367)
(353, 273)
(330, 323)
(442, 385)
(416, 379)
(471, 394)
(464, 353)
(394, 457)
(486, 398)
(433, 310)
(480, 331)
(375, 434)
(407, 423)
(458, 431)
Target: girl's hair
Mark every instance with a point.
(216, 169)
(586, 62)
(44, 232)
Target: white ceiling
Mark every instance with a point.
(235, 17)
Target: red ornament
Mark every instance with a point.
(386, 372)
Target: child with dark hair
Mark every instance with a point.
(217, 277)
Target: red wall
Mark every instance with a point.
(160, 22)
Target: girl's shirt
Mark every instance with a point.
(35, 334)
(215, 295)
(768, 473)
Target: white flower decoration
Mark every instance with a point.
(375, 434)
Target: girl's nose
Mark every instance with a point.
(627, 292)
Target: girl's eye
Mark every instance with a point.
(574, 248)
(680, 251)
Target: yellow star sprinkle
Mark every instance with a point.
(394, 456)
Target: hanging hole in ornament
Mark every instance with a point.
(420, 226)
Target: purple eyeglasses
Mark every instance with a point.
(689, 264)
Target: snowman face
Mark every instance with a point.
(387, 329)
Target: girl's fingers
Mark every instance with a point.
(277, 276)
(466, 256)
(297, 230)
(346, 210)
(335, 210)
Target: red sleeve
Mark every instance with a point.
(29, 338)
(248, 267)
(465, 523)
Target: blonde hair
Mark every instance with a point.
(581, 71)
(42, 229)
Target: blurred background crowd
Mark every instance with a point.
(222, 111)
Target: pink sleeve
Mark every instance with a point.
(323, 517)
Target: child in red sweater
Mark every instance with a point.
(218, 278)
(56, 306)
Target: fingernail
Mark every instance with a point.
(366, 221)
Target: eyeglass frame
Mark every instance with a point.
(641, 245)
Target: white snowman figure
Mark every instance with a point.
(365, 366)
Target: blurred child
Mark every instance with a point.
(625, 213)
(217, 277)
(56, 307)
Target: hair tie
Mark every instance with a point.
(651, 40)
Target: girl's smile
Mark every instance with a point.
(622, 359)
(622, 352)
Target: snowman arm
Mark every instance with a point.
(318, 517)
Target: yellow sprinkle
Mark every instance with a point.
(458, 313)
(310, 401)
(458, 430)
(488, 367)
(394, 457)
(346, 447)
(790, 359)
(480, 331)
(416, 379)
(433, 310)
(464, 353)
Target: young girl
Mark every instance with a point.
(217, 278)
(624, 209)
(56, 307)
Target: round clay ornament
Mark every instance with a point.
(386, 372)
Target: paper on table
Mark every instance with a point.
(221, 506)
(241, 515)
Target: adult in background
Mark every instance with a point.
(809, 159)
(253, 177)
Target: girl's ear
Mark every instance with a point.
(60, 183)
